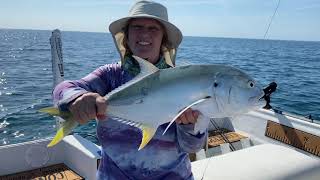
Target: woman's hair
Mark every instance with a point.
(125, 39)
(126, 33)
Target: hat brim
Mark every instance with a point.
(173, 33)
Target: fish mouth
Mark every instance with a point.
(258, 97)
(262, 96)
(258, 100)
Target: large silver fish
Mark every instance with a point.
(157, 96)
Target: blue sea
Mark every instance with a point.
(26, 77)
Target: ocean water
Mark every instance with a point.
(26, 77)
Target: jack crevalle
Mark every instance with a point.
(157, 96)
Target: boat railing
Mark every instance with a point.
(308, 118)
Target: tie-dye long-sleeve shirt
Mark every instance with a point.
(165, 156)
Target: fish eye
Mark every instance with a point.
(215, 84)
(250, 84)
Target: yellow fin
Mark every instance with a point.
(53, 111)
(147, 134)
(50, 110)
(57, 138)
(63, 131)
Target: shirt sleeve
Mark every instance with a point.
(100, 81)
(188, 141)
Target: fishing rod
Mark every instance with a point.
(272, 17)
(268, 106)
(268, 90)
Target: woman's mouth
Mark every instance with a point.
(144, 43)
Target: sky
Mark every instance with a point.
(294, 20)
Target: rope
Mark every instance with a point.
(221, 133)
(224, 138)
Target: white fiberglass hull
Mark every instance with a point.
(256, 157)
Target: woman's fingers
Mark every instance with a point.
(101, 108)
(182, 119)
(87, 107)
(188, 117)
(195, 114)
(83, 116)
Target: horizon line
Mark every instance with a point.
(248, 38)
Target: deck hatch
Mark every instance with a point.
(215, 139)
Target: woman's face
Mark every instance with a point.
(145, 38)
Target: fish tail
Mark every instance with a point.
(147, 134)
(65, 129)
(57, 138)
(53, 111)
(66, 126)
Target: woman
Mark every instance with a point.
(146, 33)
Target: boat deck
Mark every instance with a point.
(57, 171)
(263, 162)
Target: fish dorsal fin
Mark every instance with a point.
(146, 69)
(183, 110)
(145, 66)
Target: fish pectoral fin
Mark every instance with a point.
(183, 110)
(62, 132)
(147, 134)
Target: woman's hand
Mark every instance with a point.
(88, 106)
(188, 117)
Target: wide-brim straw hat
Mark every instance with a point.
(152, 10)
